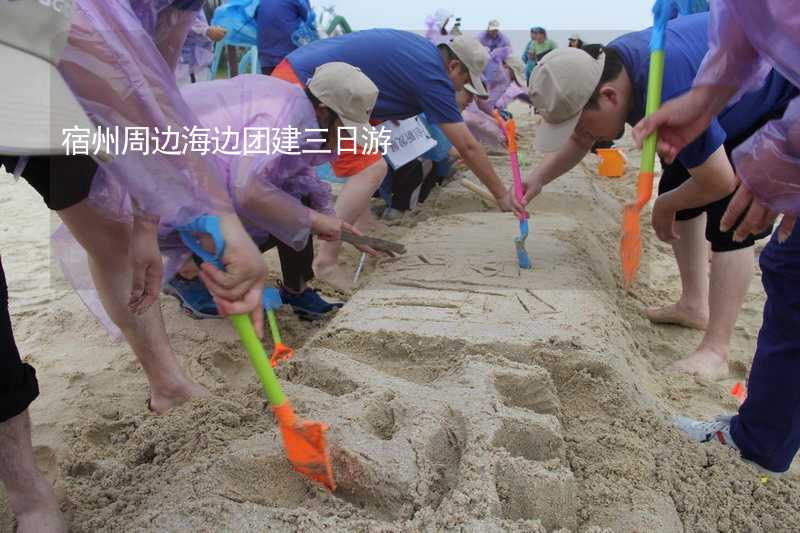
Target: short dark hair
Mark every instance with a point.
(448, 55)
(612, 68)
(316, 102)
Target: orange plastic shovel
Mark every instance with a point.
(304, 441)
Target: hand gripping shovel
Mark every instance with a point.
(631, 244)
(510, 129)
(304, 441)
(272, 302)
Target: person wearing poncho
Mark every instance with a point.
(119, 62)
(748, 41)
(276, 192)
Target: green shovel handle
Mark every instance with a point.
(654, 87)
(259, 358)
(273, 327)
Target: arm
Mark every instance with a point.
(732, 62)
(172, 27)
(476, 159)
(121, 78)
(556, 164)
(711, 181)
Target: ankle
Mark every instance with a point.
(695, 307)
(717, 350)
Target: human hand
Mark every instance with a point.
(327, 227)
(148, 267)
(679, 122)
(755, 217)
(239, 288)
(508, 202)
(216, 33)
(531, 188)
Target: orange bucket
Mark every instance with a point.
(612, 163)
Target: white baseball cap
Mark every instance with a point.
(474, 56)
(349, 93)
(562, 84)
(494, 25)
(35, 103)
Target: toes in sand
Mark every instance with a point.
(676, 316)
(704, 363)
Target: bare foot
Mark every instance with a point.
(41, 513)
(677, 315)
(166, 398)
(335, 276)
(704, 363)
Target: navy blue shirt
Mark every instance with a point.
(406, 67)
(277, 20)
(686, 46)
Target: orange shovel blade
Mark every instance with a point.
(280, 353)
(306, 446)
(631, 246)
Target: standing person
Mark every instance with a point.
(197, 54)
(575, 41)
(747, 40)
(34, 109)
(277, 21)
(495, 74)
(437, 26)
(413, 76)
(124, 257)
(583, 100)
(538, 46)
(495, 41)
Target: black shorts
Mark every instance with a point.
(62, 181)
(676, 174)
(18, 385)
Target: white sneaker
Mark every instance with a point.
(719, 429)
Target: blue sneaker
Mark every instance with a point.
(195, 299)
(308, 305)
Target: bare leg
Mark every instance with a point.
(691, 253)
(731, 274)
(351, 205)
(106, 243)
(29, 493)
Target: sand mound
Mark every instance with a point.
(462, 395)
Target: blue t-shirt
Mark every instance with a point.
(686, 46)
(406, 67)
(277, 20)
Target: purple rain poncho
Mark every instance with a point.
(436, 24)
(197, 51)
(120, 61)
(266, 189)
(495, 75)
(747, 40)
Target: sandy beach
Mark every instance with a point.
(462, 394)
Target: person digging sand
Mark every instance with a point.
(279, 197)
(747, 40)
(413, 76)
(585, 99)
